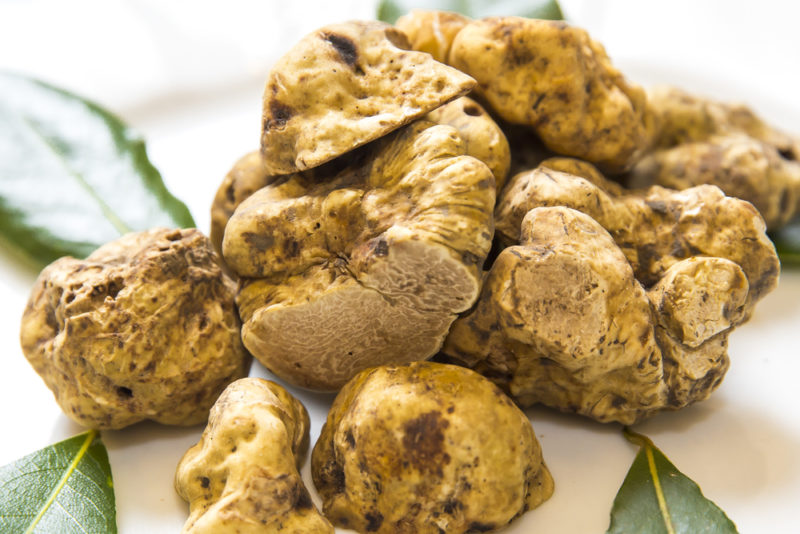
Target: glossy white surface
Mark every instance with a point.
(188, 75)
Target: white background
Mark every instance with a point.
(189, 75)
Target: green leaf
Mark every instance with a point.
(72, 175)
(787, 243)
(62, 488)
(656, 498)
(390, 10)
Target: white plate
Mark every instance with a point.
(741, 445)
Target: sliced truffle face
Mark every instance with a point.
(431, 31)
(242, 476)
(562, 321)
(700, 141)
(574, 99)
(427, 448)
(655, 228)
(351, 266)
(144, 328)
(483, 137)
(345, 85)
(247, 176)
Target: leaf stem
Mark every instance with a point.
(90, 436)
(647, 446)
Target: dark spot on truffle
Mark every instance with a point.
(787, 153)
(280, 114)
(303, 499)
(469, 258)
(292, 248)
(124, 392)
(374, 521)
(424, 442)
(472, 111)
(476, 526)
(205, 482)
(451, 506)
(350, 439)
(345, 47)
(261, 242)
(381, 248)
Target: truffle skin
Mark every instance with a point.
(364, 261)
(555, 79)
(427, 448)
(345, 85)
(562, 321)
(700, 141)
(655, 228)
(431, 31)
(482, 136)
(247, 176)
(242, 476)
(144, 328)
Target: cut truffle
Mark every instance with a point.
(363, 261)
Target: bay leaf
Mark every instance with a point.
(390, 10)
(787, 243)
(72, 175)
(65, 488)
(656, 498)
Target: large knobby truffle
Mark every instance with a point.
(555, 79)
(364, 261)
(242, 476)
(345, 85)
(655, 228)
(144, 328)
(562, 321)
(427, 448)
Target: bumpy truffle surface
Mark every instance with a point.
(700, 141)
(431, 31)
(573, 97)
(345, 85)
(655, 228)
(364, 261)
(482, 136)
(427, 448)
(247, 176)
(242, 476)
(144, 328)
(562, 321)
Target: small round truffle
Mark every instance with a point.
(427, 448)
(242, 476)
(144, 328)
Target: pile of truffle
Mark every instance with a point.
(389, 218)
